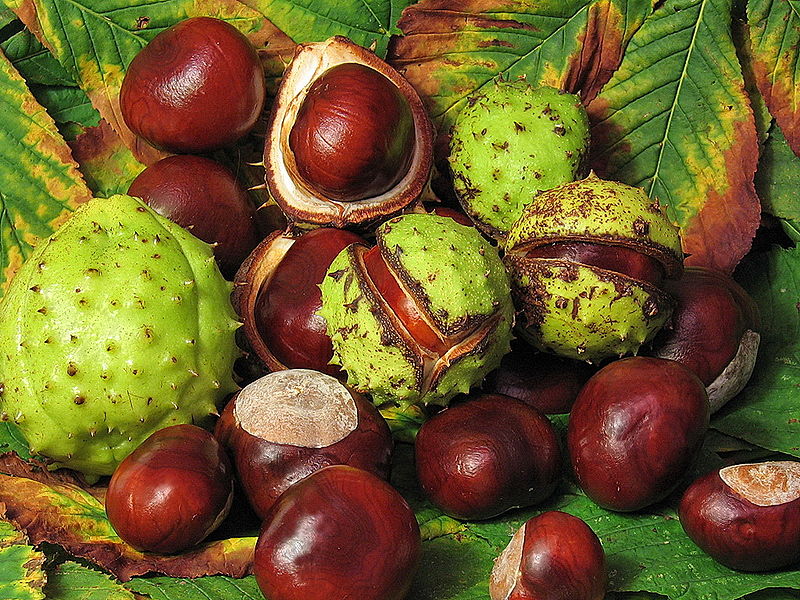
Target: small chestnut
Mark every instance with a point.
(339, 534)
(202, 196)
(289, 424)
(196, 87)
(747, 516)
(547, 382)
(553, 556)
(713, 331)
(172, 491)
(353, 137)
(285, 312)
(488, 455)
(635, 429)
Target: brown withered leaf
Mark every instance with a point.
(65, 514)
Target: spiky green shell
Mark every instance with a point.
(511, 141)
(117, 325)
(455, 276)
(597, 210)
(451, 269)
(581, 312)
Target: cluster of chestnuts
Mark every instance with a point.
(349, 323)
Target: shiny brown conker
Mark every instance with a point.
(172, 491)
(553, 556)
(747, 516)
(204, 197)
(289, 424)
(196, 87)
(713, 331)
(285, 312)
(635, 429)
(339, 534)
(547, 382)
(353, 136)
(490, 454)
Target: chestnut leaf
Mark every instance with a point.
(766, 412)
(72, 581)
(40, 183)
(778, 177)
(22, 575)
(675, 119)
(366, 23)
(217, 586)
(73, 518)
(775, 43)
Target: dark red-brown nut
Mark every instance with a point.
(172, 491)
(277, 296)
(196, 87)
(634, 431)
(488, 455)
(714, 331)
(202, 196)
(547, 382)
(747, 517)
(349, 140)
(553, 556)
(339, 534)
(289, 424)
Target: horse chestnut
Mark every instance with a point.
(353, 137)
(196, 87)
(172, 491)
(746, 517)
(488, 455)
(713, 331)
(553, 556)
(340, 533)
(202, 196)
(289, 424)
(547, 382)
(635, 429)
(290, 332)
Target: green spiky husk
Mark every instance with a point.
(581, 312)
(456, 274)
(511, 141)
(117, 325)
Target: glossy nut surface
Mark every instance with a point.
(285, 311)
(747, 517)
(172, 491)
(202, 196)
(481, 458)
(196, 87)
(339, 534)
(353, 137)
(634, 431)
(289, 424)
(553, 556)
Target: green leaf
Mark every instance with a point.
(35, 62)
(21, 574)
(165, 588)
(366, 22)
(675, 119)
(67, 104)
(71, 581)
(778, 177)
(40, 183)
(12, 440)
(452, 49)
(767, 413)
(775, 38)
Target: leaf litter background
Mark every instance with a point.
(696, 101)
